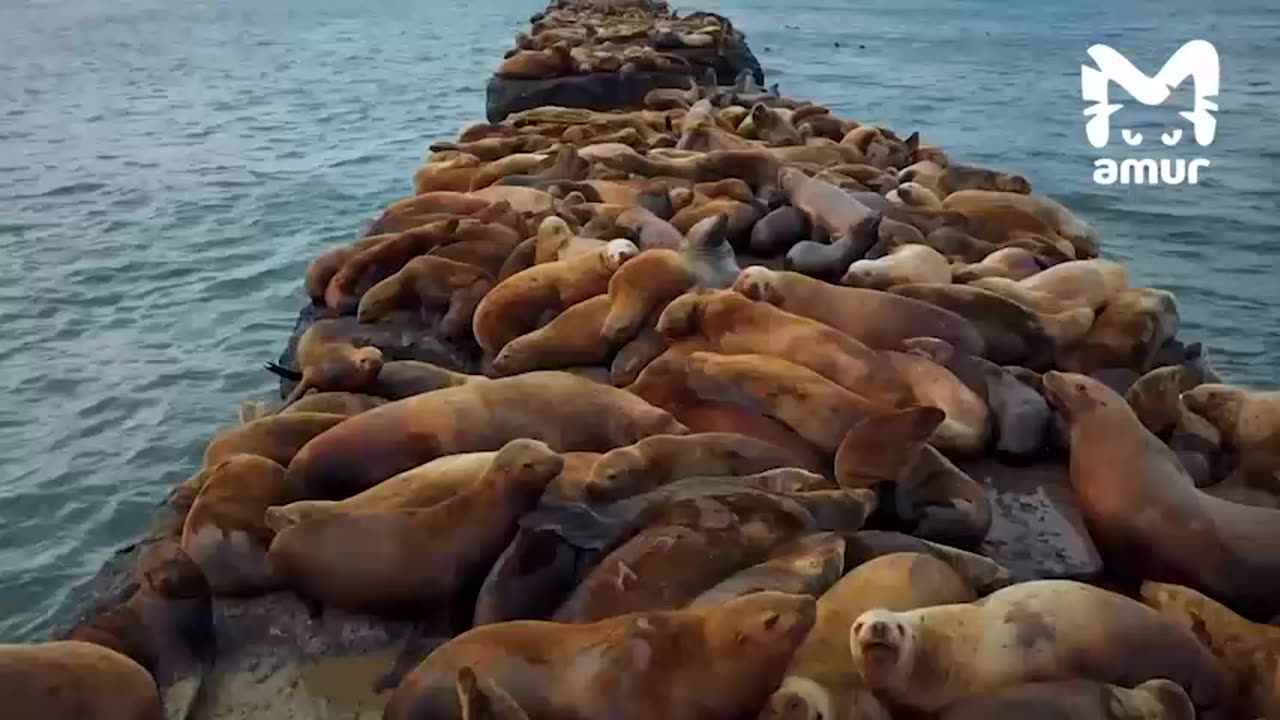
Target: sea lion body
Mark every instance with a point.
(906, 264)
(707, 250)
(778, 231)
(1247, 420)
(329, 361)
(1078, 700)
(72, 680)
(807, 565)
(429, 282)
(275, 437)
(574, 337)
(641, 288)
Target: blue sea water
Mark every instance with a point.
(167, 169)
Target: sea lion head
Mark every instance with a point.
(682, 317)
(368, 363)
(867, 274)
(913, 193)
(799, 698)
(709, 233)
(790, 179)
(526, 463)
(879, 448)
(1159, 698)
(1074, 394)
(770, 621)
(883, 645)
(618, 251)
(616, 474)
(553, 234)
(1218, 403)
(757, 282)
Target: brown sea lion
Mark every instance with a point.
(821, 681)
(334, 403)
(1127, 333)
(453, 174)
(729, 322)
(1079, 700)
(275, 437)
(1001, 216)
(429, 283)
(404, 560)
(574, 337)
(828, 261)
(1156, 397)
(484, 700)
(642, 287)
(405, 378)
(555, 61)
(515, 306)
(330, 361)
(1249, 650)
(918, 195)
(488, 150)
(663, 459)
(807, 565)
(73, 680)
(649, 230)
(484, 246)
(881, 448)
(374, 264)
(635, 355)
(1144, 510)
(930, 658)
(324, 266)
(495, 171)
(566, 412)
(878, 319)
(1012, 333)
(521, 258)
(721, 661)
(1248, 420)
(967, 428)
(739, 216)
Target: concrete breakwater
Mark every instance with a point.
(798, 280)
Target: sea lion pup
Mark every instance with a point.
(573, 337)
(556, 241)
(778, 231)
(903, 265)
(689, 546)
(1247, 419)
(567, 412)
(275, 437)
(224, 532)
(516, 305)
(821, 681)
(707, 250)
(1014, 263)
(642, 287)
(807, 565)
(429, 283)
(1079, 700)
(662, 459)
(334, 403)
(1128, 333)
(1144, 510)
(928, 659)
(878, 319)
(1002, 216)
(330, 361)
(719, 661)
(728, 322)
(1248, 649)
(373, 560)
(72, 680)
(818, 409)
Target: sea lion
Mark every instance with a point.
(275, 437)
(484, 246)
(429, 283)
(1092, 283)
(807, 565)
(374, 264)
(453, 174)
(1012, 333)
(516, 304)
(484, 700)
(324, 266)
(404, 560)
(641, 288)
(930, 658)
(686, 549)
(881, 448)
(938, 501)
(224, 532)
(1246, 419)
(527, 201)
(573, 337)
(829, 260)
(493, 172)
(967, 428)
(634, 356)
(1144, 510)
(1127, 333)
(829, 207)
(488, 150)
(556, 241)
(662, 459)
(778, 231)
(553, 62)
(985, 575)
(1249, 650)
(334, 403)
(566, 412)
(918, 195)
(720, 661)
(956, 177)
(72, 680)
(330, 361)
(1002, 216)
(1079, 700)
(906, 264)
(728, 322)
(773, 126)
(821, 681)
(1014, 263)
(739, 216)
(400, 379)
(706, 249)
(878, 319)
(1156, 397)
(520, 258)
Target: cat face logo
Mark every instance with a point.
(1197, 60)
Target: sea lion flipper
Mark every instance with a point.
(485, 700)
(284, 372)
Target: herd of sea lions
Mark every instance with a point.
(734, 350)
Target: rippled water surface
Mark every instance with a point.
(167, 169)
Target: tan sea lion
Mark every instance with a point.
(729, 322)
(1001, 216)
(454, 174)
(686, 549)
(967, 428)
(641, 288)
(492, 172)
(829, 207)
(527, 201)
(488, 150)
(649, 229)
(807, 565)
(324, 266)
(404, 560)
(1249, 650)
(224, 532)
(1156, 397)
(773, 126)
(881, 448)
(555, 61)
(1079, 700)
(574, 337)
(1127, 333)
(405, 378)
(334, 403)
(275, 437)
(1092, 283)
(374, 264)
(918, 195)
(821, 681)
(566, 412)
(878, 319)
(930, 658)
(429, 283)
(956, 177)
(1144, 510)
(905, 264)
(484, 246)
(516, 304)
(1247, 419)
(720, 661)
(663, 459)
(73, 680)
(556, 241)
(330, 361)
(707, 251)
(1014, 263)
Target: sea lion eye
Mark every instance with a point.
(770, 620)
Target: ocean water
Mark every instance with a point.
(167, 169)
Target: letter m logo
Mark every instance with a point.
(1198, 60)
